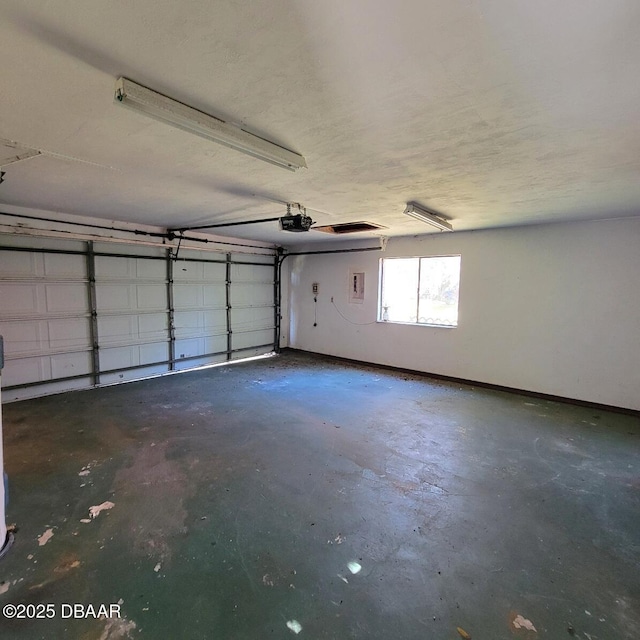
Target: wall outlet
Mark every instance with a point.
(314, 288)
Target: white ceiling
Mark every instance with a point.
(491, 112)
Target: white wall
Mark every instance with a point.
(552, 308)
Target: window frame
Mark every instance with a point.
(380, 311)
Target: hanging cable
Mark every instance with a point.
(362, 324)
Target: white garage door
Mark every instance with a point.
(45, 319)
(131, 311)
(252, 302)
(74, 314)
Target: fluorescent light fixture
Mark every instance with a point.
(155, 105)
(420, 213)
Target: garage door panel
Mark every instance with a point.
(68, 298)
(183, 270)
(69, 333)
(25, 370)
(252, 352)
(153, 326)
(20, 265)
(201, 324)
(188, 347)
(70, 364)
(248, 294)
(253, 338)
(243, 319)
(214, 295)
(215, 321)
(187, 296)
(193, 347)
(252, 273)
(114, 358)
(19, 298)
(111, 267)
(151, 296)
(265, 259)
(212, 272)
(186, 322)
(200, 362)
(132, 329)
(9, 395)
(117, 357)
(135, 374)
(153, 352)
(151, 269)
(22, 337)
(215, 344)
(114, 297)
(64, 266)
(115, 329)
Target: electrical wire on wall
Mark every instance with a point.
(315, 311)
(362, 324)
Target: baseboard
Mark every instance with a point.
(474, 383)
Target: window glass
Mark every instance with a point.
(400, 289)
(420, 290)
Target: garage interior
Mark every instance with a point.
(230, 408)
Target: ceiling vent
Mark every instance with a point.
(349, 227)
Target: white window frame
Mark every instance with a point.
(417, 323)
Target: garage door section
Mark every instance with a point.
(200, 310)
(74, 314)
(132, 312)
(45, 319)
(252, 302)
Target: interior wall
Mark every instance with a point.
(553, 309)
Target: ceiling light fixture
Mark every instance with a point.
(177, 114)
(420, 213)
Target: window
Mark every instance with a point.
(420, 290)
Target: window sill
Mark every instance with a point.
(418, 324)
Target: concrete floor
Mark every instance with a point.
(241, 494)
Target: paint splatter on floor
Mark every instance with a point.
(45, 537)
(519, 622)
(354, 567)
(294, 625)
(95, 511)
(117, 628)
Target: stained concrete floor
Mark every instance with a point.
(241, 494)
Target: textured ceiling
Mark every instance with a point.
(491, 112)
